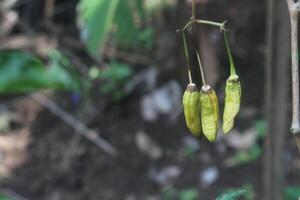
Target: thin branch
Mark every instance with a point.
(221, 25)
(194, 20)
(75, 123)
(294, 13)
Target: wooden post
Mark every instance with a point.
(277, 92)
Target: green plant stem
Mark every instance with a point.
(201, 69)
(194, 20)
(232, 68)
(207, 22)
(193, 10)
(186, 52)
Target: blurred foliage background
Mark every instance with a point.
(90, 104)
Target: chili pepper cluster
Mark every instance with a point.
(201, 107)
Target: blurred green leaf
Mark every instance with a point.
(250, 193)
(232, 195)
(129, 18)
(125, 18)
(21, 72)
(96, 17)
(113, 79)
(291, 193)
(246, 192)
(189, 194)
(246, 156)
(116, 71)
(140, 8)
(127, 31)
(61, 74)
(261, 127)
(146, 38)
(158, 5)
(169, 193)
(4, 197)
(108, 87)
(190, 151)
(255, 151)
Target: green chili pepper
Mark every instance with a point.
(191, 107)
(191, 104)
(232, 93)
(209, 108)
(209, 112)
(232, 102)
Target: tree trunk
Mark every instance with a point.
(277, 92)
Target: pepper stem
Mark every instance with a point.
(201, 69)
(193, 10)
(186, 53)
(221, 25)
(232, 68)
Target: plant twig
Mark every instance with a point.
(221, 25)
(201, 69)
(191, 22)
(194, 20)
(231, 62)
(75, 123)
(294, 13)
(186, 52)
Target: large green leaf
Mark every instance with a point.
(129, 18)
(21, 72)
(140, 8)
(127, 30)
(232, 195)
(125, 18)
(60, 73)
(96, 17)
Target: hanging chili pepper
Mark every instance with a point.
(209, 112)
(209, 108)
(191, 104)
(191, 107)
(232, 93)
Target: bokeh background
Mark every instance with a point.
(91, 101)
